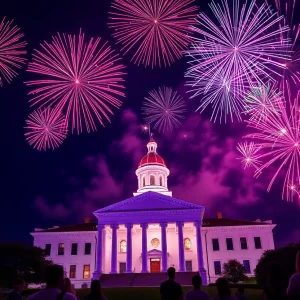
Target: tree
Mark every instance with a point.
(21, 260)
(285, 256)
(234, 271)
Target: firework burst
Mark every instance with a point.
(262, 100)
(250, 156)
(164, 109)
(46, 129)
(241, 44)
(83, 80)
(12, 50)
(155, 31)
(279, 137)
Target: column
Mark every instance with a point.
(114, 229)
(144, 248)
(98, 269)
(181, 246)
(201, 268)
(129, 248)
(163, 227)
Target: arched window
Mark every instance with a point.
(123, 246)
(187, 244)
(152, 180)
(160, 181)
(144, 181)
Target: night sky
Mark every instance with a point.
(89, 171)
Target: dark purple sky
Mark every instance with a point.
(42, 189)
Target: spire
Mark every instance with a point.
(152, 145)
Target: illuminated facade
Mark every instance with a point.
(152, 231)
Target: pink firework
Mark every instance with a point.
(279, 137)
(250, 156)
(164, 109)
(12, 50)
(154, 32)
(82, 79)
(46, 129)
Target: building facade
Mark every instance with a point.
(153, 231)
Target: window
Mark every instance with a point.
(160, 181)
(74, 247)
(187, 244)
(87, 248)
(152, 180)
(257, 242)
(215, 243)
(122, 267)
(243, 243)
(155, 243)
(246, 264)
(144, 181)
(123, 246)
(217, 265)
(229, 243)
(86, 271)
(188, 265)
(61, 249)
(73, 271)
(48, 249)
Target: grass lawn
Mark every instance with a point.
(149, 293)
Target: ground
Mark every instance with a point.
(148, 293)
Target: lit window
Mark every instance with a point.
(61, 249)
(152, 180)
(187, 244)
(86, 271)
(155, 242)
(144, 181)
(73, 271)
(160, 181)
(123, 246)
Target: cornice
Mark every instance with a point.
(65, 234)
(239, 228)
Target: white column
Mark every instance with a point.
(99, 254)
(201, 268)
(114, 229)
(144, 248)
(129, 248)
(163, 227)
(181, 246)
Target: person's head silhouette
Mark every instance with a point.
(171, 273)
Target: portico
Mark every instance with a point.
(160, 226)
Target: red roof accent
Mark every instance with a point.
(152, 159)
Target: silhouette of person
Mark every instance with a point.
(19, 286)
(170, 289)
(96, 291)
(196, 293)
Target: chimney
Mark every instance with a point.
(87, 220)
(219, 214)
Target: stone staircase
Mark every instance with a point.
(148, 279)
(116, 280)
(143, 279)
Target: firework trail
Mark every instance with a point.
(279, 138)
(154, 32)
(82, 79)
(46, 129)
(244, 43)
(250, 156)
(164, 108)
(12, 51)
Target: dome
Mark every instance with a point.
(152, 158)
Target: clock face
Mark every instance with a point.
(155, 242)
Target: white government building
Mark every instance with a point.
(150, 232)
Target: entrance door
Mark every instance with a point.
(188, 266)
(154, 265)
(122, 267)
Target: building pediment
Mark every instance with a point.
(149, 201)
